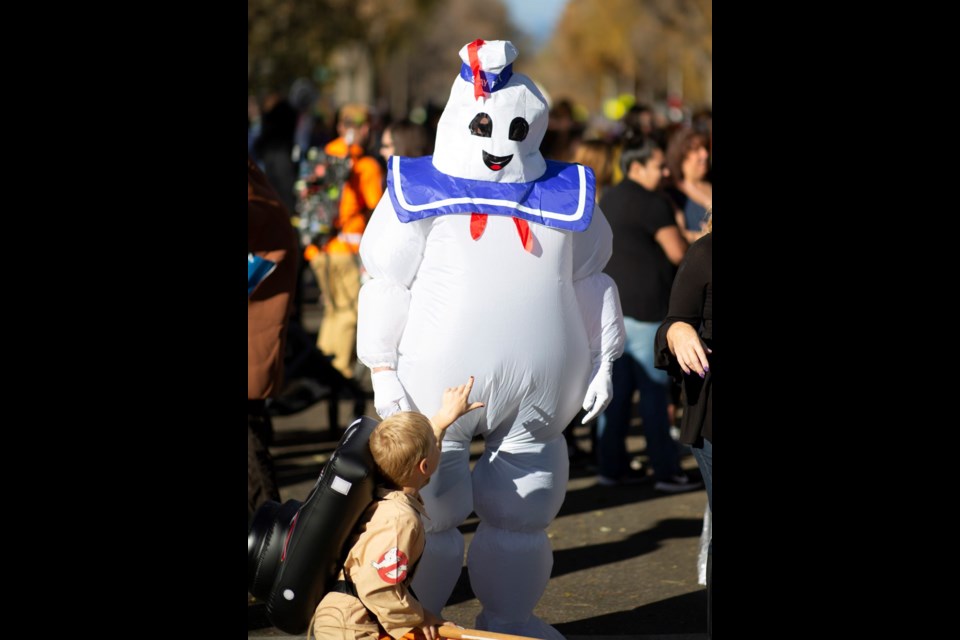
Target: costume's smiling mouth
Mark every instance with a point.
(495, 163)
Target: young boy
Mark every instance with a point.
(372, 596)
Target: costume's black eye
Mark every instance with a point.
(519, 129)
(481, 125)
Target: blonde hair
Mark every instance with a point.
(354, 114)
(399, 443)
(598, 155)
(708, 223)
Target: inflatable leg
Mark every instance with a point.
(509, 571)
(448, 498)
(435, 577)
(517, 493)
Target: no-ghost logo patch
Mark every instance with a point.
(392, 566)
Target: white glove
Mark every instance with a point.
(388, 394)
(599, 392)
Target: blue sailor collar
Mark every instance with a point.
(562, 198)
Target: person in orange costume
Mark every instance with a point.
(337, 264)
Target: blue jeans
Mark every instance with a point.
(704, 458)
(635, 370)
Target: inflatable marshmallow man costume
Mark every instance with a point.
(486, 261)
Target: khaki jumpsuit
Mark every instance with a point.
(380, 564)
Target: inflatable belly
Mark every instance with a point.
(488, 308)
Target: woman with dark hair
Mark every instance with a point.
(687, 160)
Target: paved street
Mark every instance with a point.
(624, 557)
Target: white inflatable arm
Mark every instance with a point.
(599, 303)
(391, 253)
